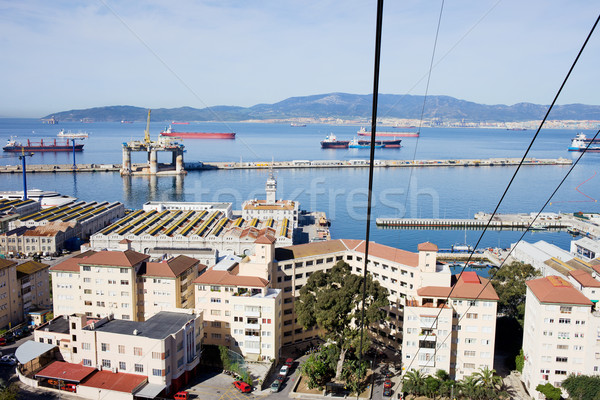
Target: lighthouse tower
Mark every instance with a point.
(271, 188)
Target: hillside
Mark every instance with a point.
(344, 106)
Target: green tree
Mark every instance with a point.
(413, 382)
(432, 386)
(520, 361)
(225, 359)
(469, 387)
(488, 378)
(316, 371)
(549, 391)
(353, 374)
(509, 283)
(8, 391)
(332, 302)
(582, 387)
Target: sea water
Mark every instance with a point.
(428, 192)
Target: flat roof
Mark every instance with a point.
(158, 326)
(59, 324)
(65, 371)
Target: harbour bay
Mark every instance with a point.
(457, 192)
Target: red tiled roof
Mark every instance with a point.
(65, 371)
(265, 239)
(72, 264)
(170, 268)
(467, 287)
(127, 258)
(212, 277)
(391, 253)
(120, 382)
(584, 278)
(554, 289)
(124, 241)
(427, 246)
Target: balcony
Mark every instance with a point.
(252, 326)
(427, 363)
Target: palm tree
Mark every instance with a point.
(468, 387)
(414, 382)
(488, 378)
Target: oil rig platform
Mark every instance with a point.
(176, 167)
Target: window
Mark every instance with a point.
(139, 368)
(86, 346)
(122, 365)
(105, 347)
(157, 372)
(87, 269)
(137, 351)
(564, 320)
(561, 359)
(121, 349)
(158, 355)
(566, 309)
(470, 353)
(124, 282)
(87, 362)
(106, 363)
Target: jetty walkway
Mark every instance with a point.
(488, 162)
(546, 221)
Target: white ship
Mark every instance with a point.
(70, 134)
(45, 198)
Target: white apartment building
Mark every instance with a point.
(585, 248)
(241, 310)
(124, 284)
(451, 327)
(166, 348)
(561, 330)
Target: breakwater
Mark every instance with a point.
(359, 163)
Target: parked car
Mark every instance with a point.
(183, 395)
(387, 384)
(242, 386)
(387, 392)
(289, 362)
(8, 359)
(275, 386)
(3, 341)
(284, 370)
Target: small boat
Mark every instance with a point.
(179, 123)
(573, 231)
(538, 227)
(69, 134)
(516, 129)
(198, 135)
(331, 142)
(297, 125)
(126, 122)
(363, 132)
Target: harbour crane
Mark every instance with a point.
(22, 157)
(147, 131)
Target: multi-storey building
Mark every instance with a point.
(451, 326)
(45, 239)
(11, 307)
(418, 287)
(241, 309)
(560, 330)
(124, 284)
(33, 278)
(165, 348)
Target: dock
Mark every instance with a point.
(544, 222)
(362, 163)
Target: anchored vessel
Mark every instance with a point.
(359, 144)
(70, 134)
(581, 143)
(198, 135)
(363, 132)
(331, 142)
(16, 147)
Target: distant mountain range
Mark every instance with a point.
(344, 106)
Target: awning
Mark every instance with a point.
(150, 391)
(31, 349)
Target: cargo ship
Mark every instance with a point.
(16, 147)
(179, 123)
(331, 142)
(581, 136)
(298, 125)
(198, 135)
(359, 144)
(363, 132)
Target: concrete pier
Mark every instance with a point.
(127, 168)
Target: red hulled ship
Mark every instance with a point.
(198, 135)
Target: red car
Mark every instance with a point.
(387, 384)
(242, 386)
(289, 362)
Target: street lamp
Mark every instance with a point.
(73, 141)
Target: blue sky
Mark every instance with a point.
(61, 55)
